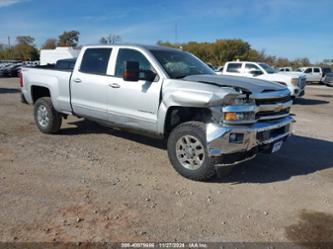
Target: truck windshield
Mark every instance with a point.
(179, 64)
(268, 68)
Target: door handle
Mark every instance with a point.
(77, 80)
(114, 85)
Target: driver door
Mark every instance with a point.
(250, 67)
(309, 74)
(133, 104)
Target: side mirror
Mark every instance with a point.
(255, 72)
(148, 75)
(132, 71)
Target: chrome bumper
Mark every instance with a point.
(254, 137)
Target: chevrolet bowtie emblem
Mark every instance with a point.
(279, 108)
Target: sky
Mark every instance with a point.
(291, 29)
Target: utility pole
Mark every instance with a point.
(10, 51)
(176, 33)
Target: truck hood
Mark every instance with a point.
(293, 73)
(248, 84)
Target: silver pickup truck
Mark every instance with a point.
(209, 121)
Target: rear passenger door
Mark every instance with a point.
(89, 84)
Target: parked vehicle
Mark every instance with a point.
(209, 121)
(286, 69)
(315, 74)
(328, 79)
(294, 82)
(31, 63)
(51, 56)
(11, 70)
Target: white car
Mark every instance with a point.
(314, 74)
(286, 69)
(294, 81)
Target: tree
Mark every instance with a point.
(50, 43)
(69, 39)
(25, 39)
(24, 49)
(103, 40)
(110, 39)
(216, 53)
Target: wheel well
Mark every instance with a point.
(177, 115)
(39, 92)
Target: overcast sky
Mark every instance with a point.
(292, 29)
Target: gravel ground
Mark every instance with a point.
(90, 183)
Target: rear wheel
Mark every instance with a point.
(187, 151)
(47, 119)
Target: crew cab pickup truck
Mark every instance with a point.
(293, 81)
(209, 121)
(315, 74)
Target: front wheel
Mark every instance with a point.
(47, 119)
(188, 153)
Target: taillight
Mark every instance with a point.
(21, 79)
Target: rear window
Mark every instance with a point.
(234, 67)
(66, 64)
(95, 60)
(316, 70)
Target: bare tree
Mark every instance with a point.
(110, 39)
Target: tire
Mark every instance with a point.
(47, 119)
(193, 162)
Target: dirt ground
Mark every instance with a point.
(90, 183)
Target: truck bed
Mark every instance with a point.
(55, 79)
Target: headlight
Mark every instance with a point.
(239, 100)
(294, 81)
(240, 117)
(239, 109)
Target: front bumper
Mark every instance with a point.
(252, 139)
(297, 91)
(327, 81)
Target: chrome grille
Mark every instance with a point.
(273, 101)
(273, 105)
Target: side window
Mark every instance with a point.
(95, 60)
(249, 67)
(125, 54)
(234, 67)
(308, 70)
(316, 70)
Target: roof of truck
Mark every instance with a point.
(148, 47)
